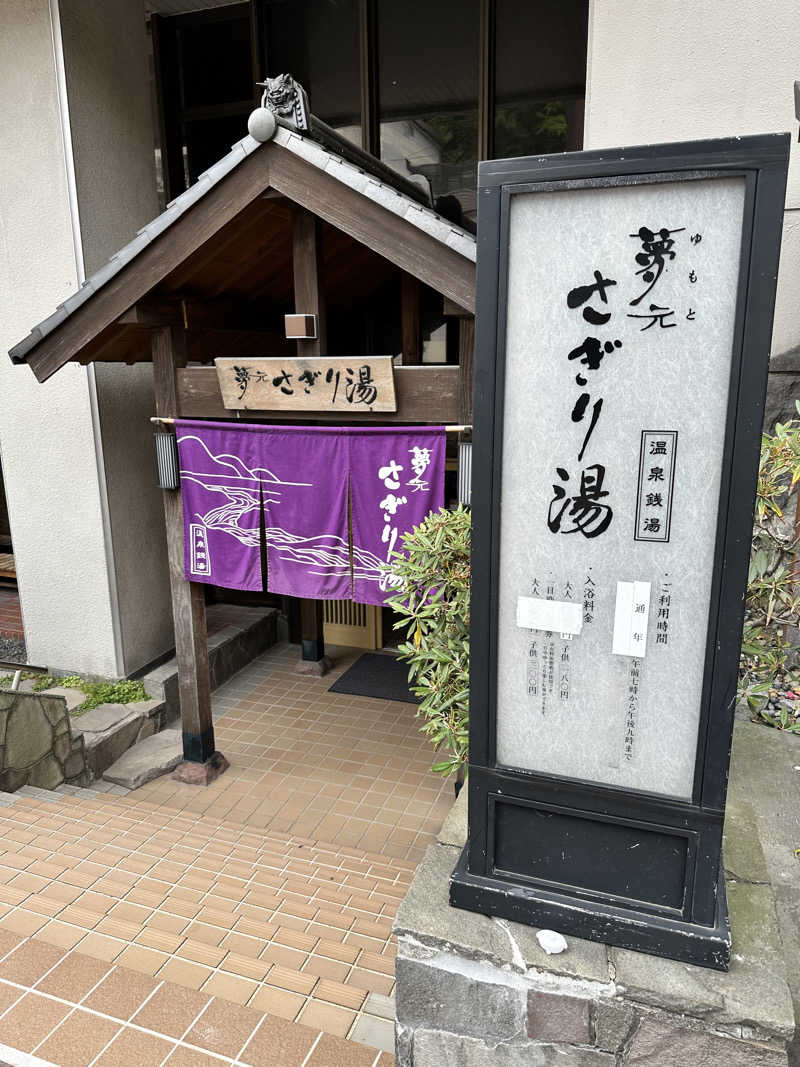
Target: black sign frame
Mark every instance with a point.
(668, 896)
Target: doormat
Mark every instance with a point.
(375, 675)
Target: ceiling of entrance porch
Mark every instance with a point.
(229, 235)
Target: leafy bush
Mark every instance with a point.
(768, 677)
(434, 606)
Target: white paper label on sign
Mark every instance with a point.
(555, 616)
(630, 619)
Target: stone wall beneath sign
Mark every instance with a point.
(473, 991)
(36, 743)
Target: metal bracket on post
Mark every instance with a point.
(167, 460)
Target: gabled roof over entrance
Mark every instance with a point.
(217, 256)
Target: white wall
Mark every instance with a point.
(670, 70)
(45, 431)
(105, 56)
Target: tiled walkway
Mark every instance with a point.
(272, 891)
(65, 1009)
(349, 771)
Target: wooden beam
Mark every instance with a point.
(221, 313)
(202, 763)
(388, 234)
(425, 395)
(466, 363)
(312, 640)
(152, 313)
(309, 299)
(186, 235)
(452, 310)
(409, 313)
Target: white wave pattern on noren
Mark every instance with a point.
(326, 555)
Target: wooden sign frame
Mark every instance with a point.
(566, 853)
(298, 384)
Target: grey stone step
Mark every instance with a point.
(150, 758)
(73, 697)
(109, 730)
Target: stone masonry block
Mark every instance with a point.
(613, 1023)
(11, 779)
(29, 735)
(448, 993)
(558, 1017)
(655, 1044)
(435, 1048)
(47, 773)
(62, 747)
(75, 763)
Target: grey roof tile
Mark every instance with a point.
(463, 243)
(303, 147)
(347, 173)
(386, 197)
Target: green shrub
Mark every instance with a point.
(768, 676)
(434, 606)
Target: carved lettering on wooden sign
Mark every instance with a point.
(358, 385)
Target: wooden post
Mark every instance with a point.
(202, 763)
(411, 339)
(466, 362)
(309, 300)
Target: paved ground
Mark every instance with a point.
(264, 901)
(345, 770)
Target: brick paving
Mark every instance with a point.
(265, 900)
(10, 613)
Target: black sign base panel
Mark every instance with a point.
(658, 935)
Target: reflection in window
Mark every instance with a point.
(316, 41)
(540, 77)
(429, 96)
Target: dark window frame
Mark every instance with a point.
(169, 78)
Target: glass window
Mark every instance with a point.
(540, 76)
(428, 75)
(316, 41)
(215, 57)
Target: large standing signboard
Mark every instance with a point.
(624, 319)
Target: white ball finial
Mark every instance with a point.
(261, 124)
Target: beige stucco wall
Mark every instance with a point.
(105, 58)
(670, 70)
(45, 431)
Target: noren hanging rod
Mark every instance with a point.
(448, 429)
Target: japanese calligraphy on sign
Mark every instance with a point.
(620, 315)
(397, 478)
(357, 385)
(656, 477)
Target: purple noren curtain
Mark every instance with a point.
(300, 479)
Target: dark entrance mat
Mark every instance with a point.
(379, 676)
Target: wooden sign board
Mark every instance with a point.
(358, 385)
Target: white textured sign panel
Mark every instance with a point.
(562, 615)
(620, 317)
(631, 619)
